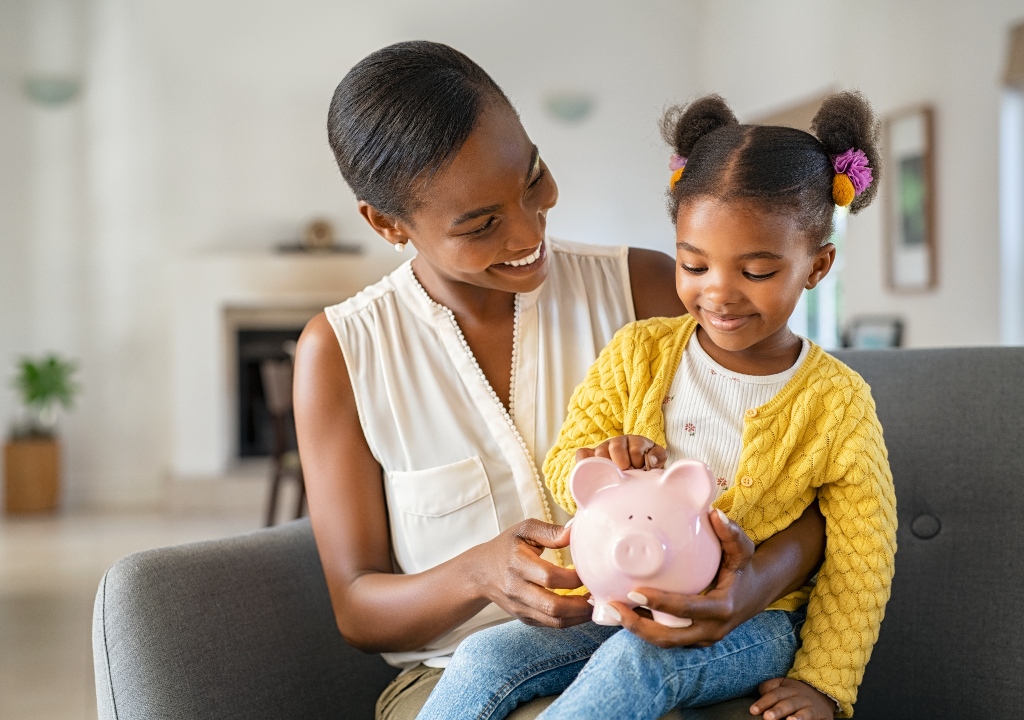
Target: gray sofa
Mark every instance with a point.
(243, 627)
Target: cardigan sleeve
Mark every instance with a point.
(596, 413)
(846, 607)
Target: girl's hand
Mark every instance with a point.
(788, 699)
(511, 573)
(628, 452)
(714, 614)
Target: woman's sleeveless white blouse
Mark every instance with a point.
(458, 468)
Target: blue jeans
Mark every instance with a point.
(607, 672)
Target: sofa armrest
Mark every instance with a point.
(233, 628)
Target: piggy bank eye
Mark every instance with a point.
(650, 518)
(630, 517)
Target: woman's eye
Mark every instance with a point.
(694, 270)
(754, 276)
(483, 228)
(536, 180)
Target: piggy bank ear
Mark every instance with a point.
(591, 475)
(693, 479)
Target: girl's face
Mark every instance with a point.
(486, 209)
(740, 273)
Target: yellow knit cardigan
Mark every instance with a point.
(819, 437)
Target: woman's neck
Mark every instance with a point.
(472, 303)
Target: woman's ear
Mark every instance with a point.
(823, 260)
(387, 226)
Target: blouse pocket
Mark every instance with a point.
(440, 512)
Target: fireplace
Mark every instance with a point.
(255, 425)
(217, 296)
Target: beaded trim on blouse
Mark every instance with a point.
(505, 411)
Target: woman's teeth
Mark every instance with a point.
(530, 260)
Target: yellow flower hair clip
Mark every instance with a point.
(677, 164)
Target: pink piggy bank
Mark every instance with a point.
(643, 528)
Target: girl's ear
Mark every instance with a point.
(388, 227)
(591, 475)
(822, 264)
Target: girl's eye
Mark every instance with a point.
(694, 270)
(752, 276)
(483, 228)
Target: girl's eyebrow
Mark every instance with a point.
(760, 255)
(757, 255)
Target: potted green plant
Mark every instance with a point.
(32, 454)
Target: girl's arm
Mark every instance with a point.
(375, 608)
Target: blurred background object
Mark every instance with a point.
(873, 332)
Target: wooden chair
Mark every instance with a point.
(277, 391)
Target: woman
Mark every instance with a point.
(422, 402)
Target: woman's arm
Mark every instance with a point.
(652, 275)
(377, 609)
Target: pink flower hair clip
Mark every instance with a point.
(853, 176)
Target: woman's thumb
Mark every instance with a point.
(737, 548)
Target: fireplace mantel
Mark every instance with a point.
(214, 294)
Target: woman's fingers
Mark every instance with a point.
(540, 534)
(737, 547)
(694, 607)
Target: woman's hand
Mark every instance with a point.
(788, 699)
(733, 600)
(628, 452)
(512, 575)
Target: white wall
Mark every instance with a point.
(761, 56)
(201, 129)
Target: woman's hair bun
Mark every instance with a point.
(683, 125)
(846, 121)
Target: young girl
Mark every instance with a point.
(780, 422)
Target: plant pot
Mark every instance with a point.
(31, 475)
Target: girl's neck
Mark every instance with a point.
(776, 353)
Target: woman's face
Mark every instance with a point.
(481, 219)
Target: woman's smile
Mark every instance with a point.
(525, 265)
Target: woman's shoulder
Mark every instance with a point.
(366, 298)
(568, 249)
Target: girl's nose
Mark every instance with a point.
(719, 291)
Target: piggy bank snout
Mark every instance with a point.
(638, 554)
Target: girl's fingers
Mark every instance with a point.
(584, 453)
(769, 685)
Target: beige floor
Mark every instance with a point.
(49, 570)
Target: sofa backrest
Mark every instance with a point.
(952, 642)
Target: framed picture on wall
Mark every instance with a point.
(909, 188)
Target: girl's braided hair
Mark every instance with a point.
(779, 169)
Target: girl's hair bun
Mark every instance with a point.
(683, 125)
(846, 121)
